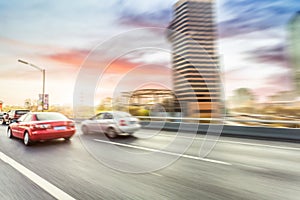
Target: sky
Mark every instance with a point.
(123, 45)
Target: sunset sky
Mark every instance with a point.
(59, 36)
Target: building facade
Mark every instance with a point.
(196, 80)
(147, 97)
(294, 50)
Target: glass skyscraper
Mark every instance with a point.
(196, 81)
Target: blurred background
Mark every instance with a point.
(257, 48)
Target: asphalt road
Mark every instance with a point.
(148, 165)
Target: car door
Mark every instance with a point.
(18, 127)
(107, 121)
(101, 122)
(95, 124)
(25, 124)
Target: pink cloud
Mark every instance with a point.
(73, 57)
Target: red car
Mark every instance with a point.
(36, 126)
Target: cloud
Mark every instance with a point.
(285, 80)
(271, 54)
(154, 13)
(161, 18)
(255, 15)
(151, 56)
(73, 57)
(64, 24)
(59, 36)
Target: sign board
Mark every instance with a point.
(46, 102)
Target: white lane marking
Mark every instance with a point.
(48, 187)
(164, 152)
(234, 142)
(156, 174)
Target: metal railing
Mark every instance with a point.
(220, 120)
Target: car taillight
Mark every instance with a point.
(123, 122)
(42, 126)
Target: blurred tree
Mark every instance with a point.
(138, 111)
(27, 104)
(105, 105)
(243, 100)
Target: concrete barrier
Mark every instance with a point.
(246, 131)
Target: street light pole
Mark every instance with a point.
(44, 78)
(43, 95)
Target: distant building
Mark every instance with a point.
(192, 33)
(294, 50)
(149, 98)
(107, 102)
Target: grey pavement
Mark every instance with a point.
(84, 168)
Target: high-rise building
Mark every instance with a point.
(196, 81)
(294, 50)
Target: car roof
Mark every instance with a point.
(113, 112)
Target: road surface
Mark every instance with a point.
(93, 167)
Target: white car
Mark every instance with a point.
(111, 124)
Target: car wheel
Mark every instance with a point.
(111, 133)
(67, 138)
(26, 139)
(9, 133)
(85, 129)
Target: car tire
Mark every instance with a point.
(9, 133)
(85, 129)
(67, 138)
(26, 139)
(111, 133)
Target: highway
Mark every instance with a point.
(93, 167)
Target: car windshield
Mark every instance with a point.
(21, 112)
(121, 114)
(50, 116)
(22, 118)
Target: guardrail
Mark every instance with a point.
(185, 124)
(226, 119)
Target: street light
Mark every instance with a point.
(44, 74)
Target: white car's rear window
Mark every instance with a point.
(121, 114)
